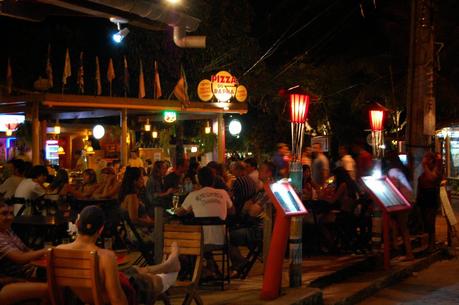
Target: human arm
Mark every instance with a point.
(133, 203)
(186, 207)
(113, 288)
(25, 257)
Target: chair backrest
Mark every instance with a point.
(74, 269)
(190, 242)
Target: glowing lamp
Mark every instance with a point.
(299, 106)
(154, 134)
(194, 149)
(376, 120)
(207, 129)
(147, 125)
(235, 127)
(8, 132)
(90, 150)
(98, 132)
(57, 128)
(170, 116)
(60, 150)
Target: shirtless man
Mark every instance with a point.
(160, 277)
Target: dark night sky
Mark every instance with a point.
(337, 31)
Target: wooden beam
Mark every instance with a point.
(154, 105)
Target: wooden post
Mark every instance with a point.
(420, 89)
(35, 134)
(386, 239)
(124, 133)
(221, 138)
(158, 234)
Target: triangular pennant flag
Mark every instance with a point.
(110, 71)
(49, 68)
(98, 82)
(126, 77)
(67, 68)
(110, 74)
(181, 88)
(141, 82)
(9, 78)
(157, 84)
(80, 79)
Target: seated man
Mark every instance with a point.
(250, 231)
(208, 202)
(32, 187)
(15, 257)
(152, 279)
(8, 187)
(15, 265)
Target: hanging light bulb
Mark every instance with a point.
(154, 134)
(8, 132)
(207, 130)
(57, 128)
(147, 125)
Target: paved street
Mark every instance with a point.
(439, 284)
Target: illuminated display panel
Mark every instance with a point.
(386, 194)
(284, 197)
(12, 120)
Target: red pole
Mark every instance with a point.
(386, 239)
(272, 279)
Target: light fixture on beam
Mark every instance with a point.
(122, 33)
(154, 134)
(147, 125)
(57, 128)
(207, 129)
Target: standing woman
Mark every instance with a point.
(428, 192)
(397, 175)
(155, 186)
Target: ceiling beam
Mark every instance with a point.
(153, 105)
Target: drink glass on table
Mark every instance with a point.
(108, 243)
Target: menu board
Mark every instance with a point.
(284, 198)
(386, 194)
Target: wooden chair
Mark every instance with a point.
(189, 240)
(73, 269)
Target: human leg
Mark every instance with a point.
(238, 238)
(163, 275)
(19, 292)
(402, 222)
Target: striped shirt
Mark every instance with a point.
(244, 188)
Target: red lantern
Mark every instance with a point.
(376, 120)
(299, 106)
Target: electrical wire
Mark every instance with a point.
(281, 39)
(331, 34)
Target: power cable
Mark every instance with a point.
(280, 40)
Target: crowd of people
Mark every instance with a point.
(233, 192)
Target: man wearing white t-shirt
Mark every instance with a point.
(208, 202)
(32, 188)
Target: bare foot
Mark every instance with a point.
(173, 258)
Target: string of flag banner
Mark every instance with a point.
(180, 89)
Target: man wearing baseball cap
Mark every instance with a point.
(157, 278)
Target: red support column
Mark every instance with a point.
(272, 279)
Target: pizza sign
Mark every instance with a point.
(222, 85)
